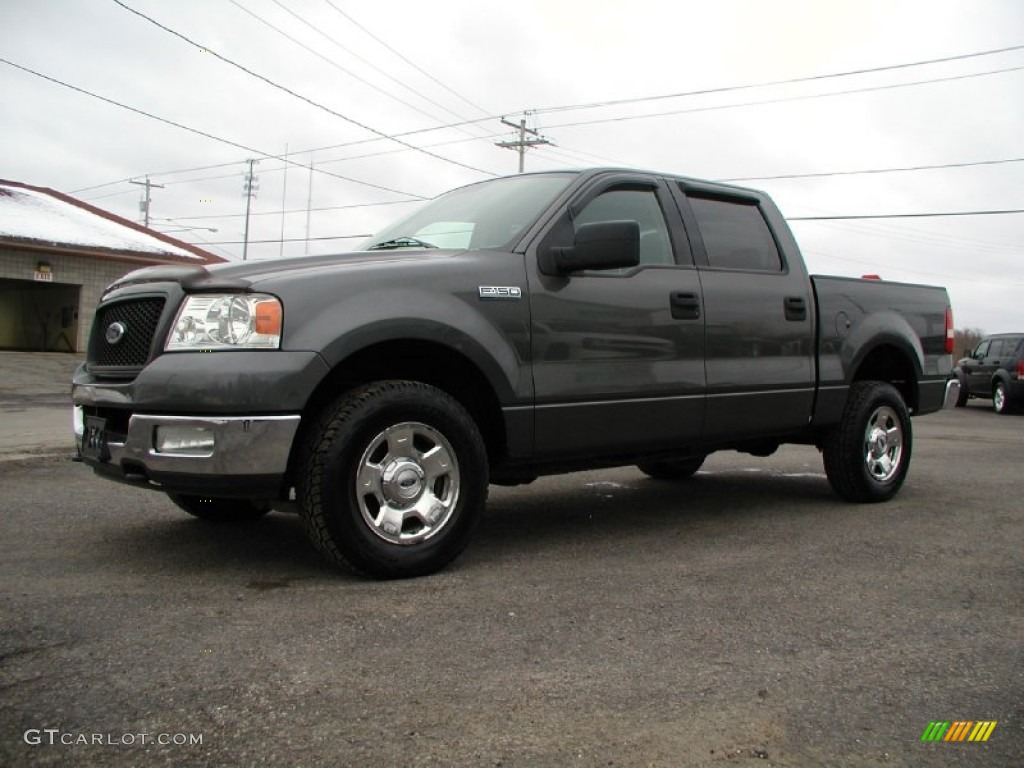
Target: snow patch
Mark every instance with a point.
(32, 215)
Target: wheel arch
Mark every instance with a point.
(894, 364)
(415, 359)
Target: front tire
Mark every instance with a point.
(393, 480)
(674, 469)
(1000, 398)
(867, 454)
(220, 510)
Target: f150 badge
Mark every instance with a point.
(501, 292)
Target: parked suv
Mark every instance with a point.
(994, 369)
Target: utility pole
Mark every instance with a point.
(250, 187)
(524, 143)
(309, 201)
(284, 201)
(144, 203)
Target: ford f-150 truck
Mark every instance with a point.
(522, 326)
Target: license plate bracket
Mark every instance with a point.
(94, 439)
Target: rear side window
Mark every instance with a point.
(735, 235)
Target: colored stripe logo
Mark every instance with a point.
(958, 730)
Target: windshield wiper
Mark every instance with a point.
(400, 242)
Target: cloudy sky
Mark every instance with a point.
(395, 101)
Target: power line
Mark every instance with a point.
(782, 99)
(299, 96)
(370, 64)
(288, 240)
(196, 131)
(407, 61)
(873, 170)
(809, 78)
(293, 210)
(929, 273)
(904, 215)
(597, 104)
(330, 61)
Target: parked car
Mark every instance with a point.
(994, 369)
(584, 320)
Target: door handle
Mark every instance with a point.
(685, 306)
(796, 308)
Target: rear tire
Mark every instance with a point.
(392, 480)
(674, 469)
(867, 454)
(220, 510)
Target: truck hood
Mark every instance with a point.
(242, 275)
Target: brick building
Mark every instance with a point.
(57, 254)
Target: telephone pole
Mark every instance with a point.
(523, 143)
(250, 187)
(144, 203)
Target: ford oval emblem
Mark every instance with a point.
(115, 332)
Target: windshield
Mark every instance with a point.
(491, 214)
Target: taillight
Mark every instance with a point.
(950, 333)
(1020, 370)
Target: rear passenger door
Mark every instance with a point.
(759, 318)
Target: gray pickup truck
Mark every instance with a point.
(523, 326)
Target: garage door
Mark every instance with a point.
(38, 317)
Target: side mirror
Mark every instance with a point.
(601, 245)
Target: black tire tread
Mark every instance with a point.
(842, 445)
(672, 469)
(217, 510)
(314, 511)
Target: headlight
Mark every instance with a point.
(226, 321)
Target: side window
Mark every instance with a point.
(982, 350)
(641, 206)
(996, 348)
(735, 235)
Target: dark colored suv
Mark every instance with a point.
(994, 369)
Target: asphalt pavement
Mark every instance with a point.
(746, 617)
(35, 404)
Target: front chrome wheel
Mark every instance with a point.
(407, 485)
(883, 444)
(392, 479)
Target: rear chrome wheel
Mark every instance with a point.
(883, 444)
(867, 454)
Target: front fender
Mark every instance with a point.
(494, 336)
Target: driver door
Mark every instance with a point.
(618, 355)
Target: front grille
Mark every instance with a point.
(139, 319)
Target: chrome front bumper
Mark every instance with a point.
(237, 447)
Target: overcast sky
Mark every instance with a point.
(361, 71)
